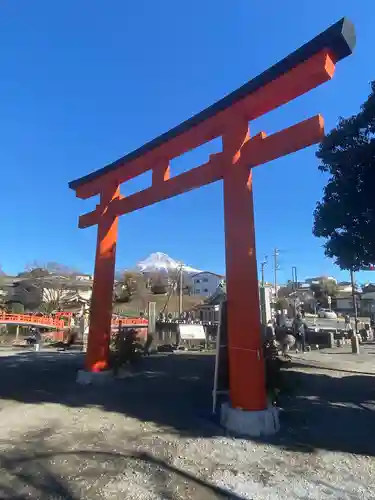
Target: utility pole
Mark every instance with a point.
(276, 267)
(262, 266)
(263, 311)
(180, 292)
(295, 287)
(294, 278)
(355, 341)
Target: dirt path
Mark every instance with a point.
(149, 436)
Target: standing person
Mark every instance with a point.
(272, 364)
(302, 311)
(72, 323)
(287, 341)
(38, 338)
(299, 328)
(278, 318)
(148, 343)
(347, 322)
(83, 328)
(72, 334)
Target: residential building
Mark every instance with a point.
(54, 290)
(83, 277)
(343, 302)
(303, 296)
(318, 280)
(368, 300)
(269, 298)
(209, 311)
(344, 287)
(206, 283)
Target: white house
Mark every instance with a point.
(368, 300)
(266, 298)
(209, 311)
(320, 279)
(344, 287)
(205, 283)
(83, 277)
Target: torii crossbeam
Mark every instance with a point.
(303, 70)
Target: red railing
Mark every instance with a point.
(31, 319)
(63, 314)
(139, 322)
(59, 323)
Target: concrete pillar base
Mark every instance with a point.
(250, 423)
(355, 344)
(96, 378)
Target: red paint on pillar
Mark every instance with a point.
(102, 294)
(246, 364)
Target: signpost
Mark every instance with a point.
(355, 341)
(191, 332)
(221, 375)
(151, 312)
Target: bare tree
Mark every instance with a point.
(54, 293)
(50, 268)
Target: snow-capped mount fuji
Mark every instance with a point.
(159, 262)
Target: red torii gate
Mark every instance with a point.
(304, 69)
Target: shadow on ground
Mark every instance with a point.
(59, 474)
(171, 390)
(174, 391)
(329, 412)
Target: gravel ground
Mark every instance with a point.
(149, 436)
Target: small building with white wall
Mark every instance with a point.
(368, 304)
(208, 312)
(344, 302)
(320, 280)
(205, 283)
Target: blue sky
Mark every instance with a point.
(85, 81)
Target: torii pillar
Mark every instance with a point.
(102, 293)
(245, 344)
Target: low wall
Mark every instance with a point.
(322, 337)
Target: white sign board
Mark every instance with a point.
(191, 332)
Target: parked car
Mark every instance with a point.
(327, 314)
(166, 348)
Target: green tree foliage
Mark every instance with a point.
(323, 290)
(17, 308)
(346, 215)
(284, 291)
(281, 304)
(130, 284)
